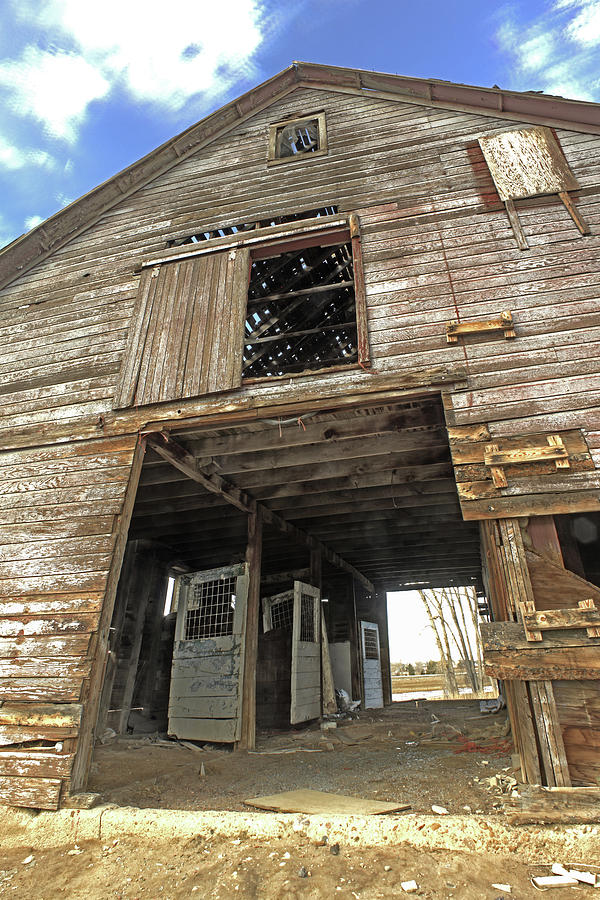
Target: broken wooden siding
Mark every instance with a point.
(437, 246)
(59, 515)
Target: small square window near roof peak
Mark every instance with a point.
(297, 139)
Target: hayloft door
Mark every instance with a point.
(371, 656)
(306, 654)
(207, 670)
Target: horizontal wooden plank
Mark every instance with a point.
(217, 730)
(56, 715)
(541, 664)
(45, 625)
(44, 667)
(474, 451)
(206, 685)
(67, 645)
(553, 805)
(532, 504)
(198, 707)
(63, 689)
(551, 619)
(34, 734)
(37, 793)
(51, 604)
(35, 762)
(511, 636)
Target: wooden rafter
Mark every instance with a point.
(182, 460)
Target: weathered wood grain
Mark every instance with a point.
(39, 793)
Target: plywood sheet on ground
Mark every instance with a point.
(320, 802)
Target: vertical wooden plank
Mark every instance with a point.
(253, 560)
(137, 337)
(513, 218)
(519, 573)
(360, 297)
(200, 301)
(524, 731)
(143, 589)
(239, 304)
(381, 617)
(81, 764)
(164, 346)
(544, 539)
(569, 205)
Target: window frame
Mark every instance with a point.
(302, 232)
(322, 150)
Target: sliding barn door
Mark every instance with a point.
(208, 655)
(371, 659)
(306, 654)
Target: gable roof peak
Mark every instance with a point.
(530, 106)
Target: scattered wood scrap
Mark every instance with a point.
(321, 802)
(553, 805)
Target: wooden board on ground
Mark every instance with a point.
(556, 805)
(320, 802)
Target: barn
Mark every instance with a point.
(338, 338)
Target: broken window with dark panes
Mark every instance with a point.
(297, 138)
(301, 311)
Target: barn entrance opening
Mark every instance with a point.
(354, 502)
(436, 649)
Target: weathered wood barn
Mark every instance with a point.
(338, 338)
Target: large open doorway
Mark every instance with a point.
(354, 503)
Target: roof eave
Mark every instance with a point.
(34, 246)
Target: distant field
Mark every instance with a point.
(403, 684)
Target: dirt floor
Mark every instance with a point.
(400, 754)
(248, 868)
(426, 754)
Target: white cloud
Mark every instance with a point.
(585, 27)
(157, 55)
(13, 157)
(32, 221)
(557, 52)
(53, 87)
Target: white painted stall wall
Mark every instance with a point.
(372, 680)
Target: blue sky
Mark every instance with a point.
(86, 89)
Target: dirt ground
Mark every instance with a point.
(398, 754)
(442, 754)
(294, 868)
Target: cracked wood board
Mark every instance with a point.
(320, 802)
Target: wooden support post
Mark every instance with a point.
(142, 587)
(582, 225)
(544, 538)
(517, 228)
(384, 645)
(316, 567)
(253, 559)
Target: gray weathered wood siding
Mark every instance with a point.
(436, 241)
(437, 246)
(59, 509)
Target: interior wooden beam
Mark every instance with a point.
(313, 428)
(181, 459)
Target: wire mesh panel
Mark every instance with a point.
(371, 643)
(210, 609)
(282, 613)
(307, 618)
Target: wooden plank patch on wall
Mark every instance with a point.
(525, 481)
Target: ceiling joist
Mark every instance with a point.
(181, 459)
